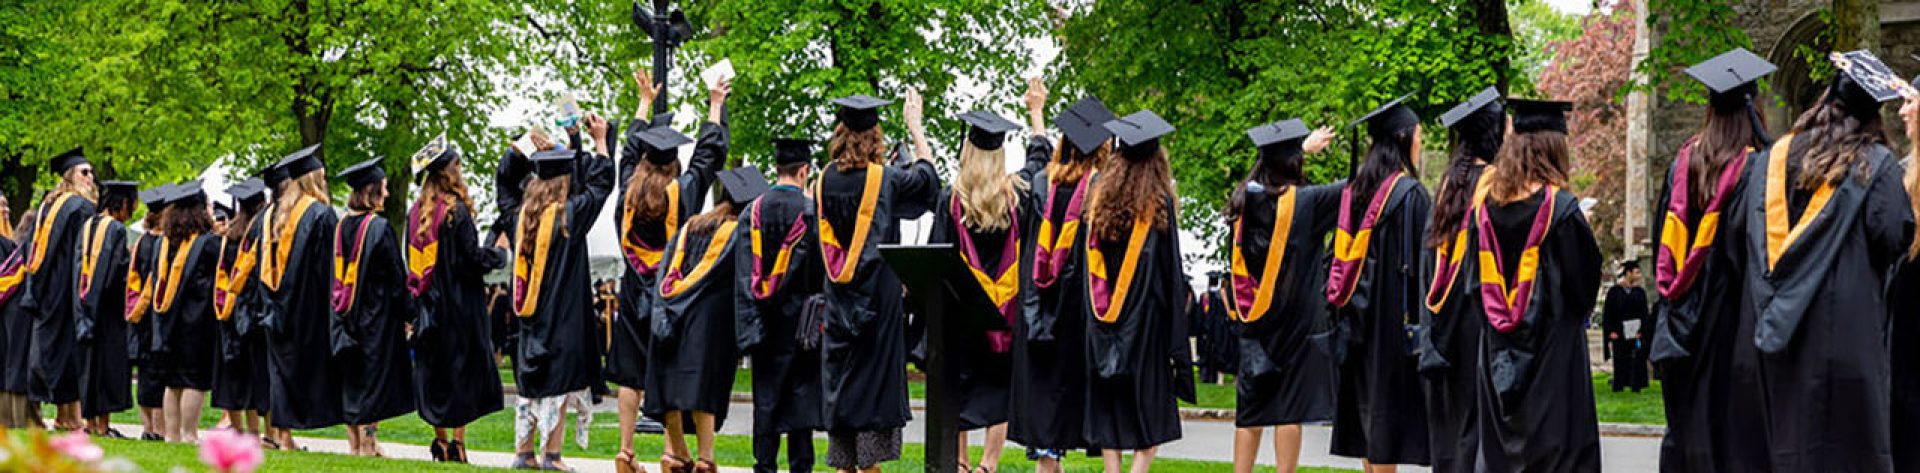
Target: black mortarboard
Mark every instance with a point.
(156, 198)
(1539, 115)
(552, 163)
(1278, 132)
(987, 130)
(1384, 121)
(248, 192)
(1460, 112)
(301, 162)
(792, 150)
(743, 184)
(186, 193)
(662, 143)
(362, 174)
(126, 188)
(1139, 134)
(1084, 124)
(859, 112)
(1864, 82)
(271, 176)
(660, 120)
(435, 155)
(1731, 70)
(67, 160)
(222, 211)
(1628, 266)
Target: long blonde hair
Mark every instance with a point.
(445, 185)
(540, 194)
(70, 184)
(312, 184)
(985, 189)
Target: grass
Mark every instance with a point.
(1627, 407)
(156, 456)
(1211, 396)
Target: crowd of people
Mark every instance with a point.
(1444, 329)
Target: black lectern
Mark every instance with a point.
(937, 284)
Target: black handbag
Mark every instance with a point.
(813, 322)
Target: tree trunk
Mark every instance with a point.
(1856, 25)
(397, 143)
(18, 186)
(1490, 18)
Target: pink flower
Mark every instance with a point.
(78, 446)
(230, 452)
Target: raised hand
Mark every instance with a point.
(916, 126)
(648, 92)
(1318, 140)
(717, 99)
(598, 127)
(1036, 99)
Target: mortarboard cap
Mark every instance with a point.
(248, 192)
(1730, 70)
(1487, 96)
(987, 130)
(300, 162)
(186, 193)
(362, 174)
(743, 184)
(1278, 132)
(435, 155)
(67, 160)
(662, 143)
(156, 198)
(859, 112)
(660, 120)
(1084, 124)
(1864, 82)
(1139, 134)
(222, 211)
(792, 150)
(1392, 117)
(552, 163)
(130, 189)
(271, 176)
(1539, 115)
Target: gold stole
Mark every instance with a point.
(673, 284)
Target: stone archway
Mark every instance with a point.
(1792, 86)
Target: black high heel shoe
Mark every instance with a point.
(457, 451)
(438, 450)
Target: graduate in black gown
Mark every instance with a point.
(986, 216)
(100, 296)
(1904, 328)
(1449, 338)
(239, 383)
(776, 281)
(694, 340)
(1834, 222)
(296, 278)
(1709, 366)
(1539, 272)
(185, 334)
(1373, 287)
(860, 199)
(1049, 349)
(656, 199)
(1275, 293)
(1626, 306)
(455, 381)
(553, 292)
(54, 359)
(14, 413)
(148, 395)
(370, 304)
(1138, 361)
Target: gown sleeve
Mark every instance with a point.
(1889, 220)
(749, 329)
(584, 207)
(477, 257)
(1324, 201)
(507, 176)
(1173, 280)
(1579, 268)
(914, 189)
(1039, 153)
(709, 156)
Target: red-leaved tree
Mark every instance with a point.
(1590, 70)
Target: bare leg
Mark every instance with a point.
(1375, 468)
(703, 434)
(557, 437)
(170, 410)
(1047, 465)
(1286, 448)
(191, 402)
(1143, 460)
(1246, 448)
(1111, 460)
(963, 453)
(629, 414)
(996, 443)
(353, 440)
(676, 435)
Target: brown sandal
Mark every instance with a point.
(705, 466)
(625, 462)
(673, 464)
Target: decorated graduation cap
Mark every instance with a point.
(187, 194)
(1481, 101)
(859, 112)
(1539, 115)
(67, 160)
(743, 184)
(1139, 134)
(552, 163)
(1279, 138)
(987, 130)
(792, 150)
(435, 155)
(222, 211)
(1388, 119)
(1084, 124)
(662, 143)
(1864, 82)
(362, 174)
(300, 162)
(248, 192)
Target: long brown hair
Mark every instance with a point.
(189, 221)
(369, 198)
(6, 228)
(1130, 189)
(445, 186)
(241, 222)
(1529, 158)
(1076, 164)
(647, 190)
(1835, 139)
(856, 149)
(312, 184)
(1477, 137)
(1726, 135)
(704, 224)
(540, 194)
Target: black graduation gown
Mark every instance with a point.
(1139, 365)
(185, 334)
(14, 333)
(1904, 346)
(149, 393)
(693, 337)
(1629, 363)
(100, 317)
(240, 381)
(1380, 413)
(1820, 317)
(864, 352)
(982, 377)
(786, 377)
(454, 378)
(1049, 354)
(1536, 406)
(1222, 354)
(298, 317)
(375, 369)
(627, 354)
(54, 358)
(556, 353)
(1283, 377)
(1449, 350)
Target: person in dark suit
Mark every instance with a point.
(1627, 302)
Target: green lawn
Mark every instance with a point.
(1627, 407)
(160, 457)
(1211, 396)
